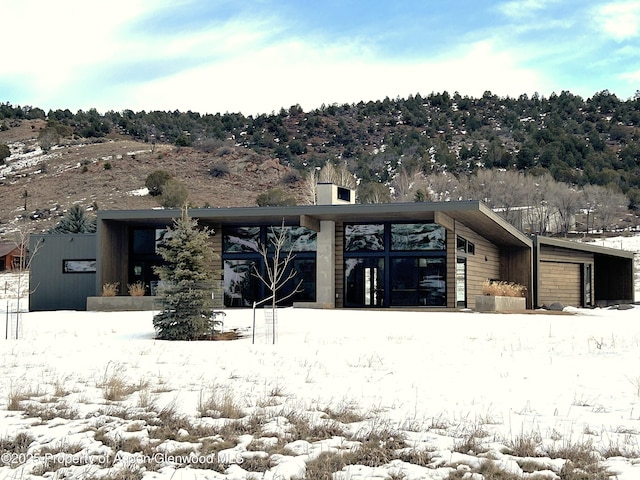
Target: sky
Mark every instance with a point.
(258, 56)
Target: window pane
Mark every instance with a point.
(298, 239)
(240, 286)
(364, 237)
(144, 241)
(433, 285)
(417, 236)
(404, 281)
(240, 239)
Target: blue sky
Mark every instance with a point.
(257, 56)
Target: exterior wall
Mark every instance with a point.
(560, 275)
(329, 194)
(484, 265)
(53, 289)
(113, 248)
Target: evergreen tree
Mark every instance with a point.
(75, 220)
(187, 282)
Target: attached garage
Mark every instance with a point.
(581, 275)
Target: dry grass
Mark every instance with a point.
(583, 461)
(525, 445)
(114, 384)
(50, 411)
(137, 289)
(344, 413)
(110, 289)
(219, 404)
(16, 445)
(325, 465)
(504, 289)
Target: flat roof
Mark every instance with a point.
(473, 214)
(584, 247)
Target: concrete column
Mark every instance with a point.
(325, 265)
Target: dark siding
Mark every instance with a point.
(51, 289)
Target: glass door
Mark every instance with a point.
(461, 283)
(364, 282)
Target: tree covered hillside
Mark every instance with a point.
(577, 141)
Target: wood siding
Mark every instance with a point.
(481, 266)
(560, 282)
(560, 275)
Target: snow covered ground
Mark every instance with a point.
(442, 395)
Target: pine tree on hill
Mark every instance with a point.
(75, 220)
(187, 282)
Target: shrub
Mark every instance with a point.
(504, 289)
(218, 170)
(155, 181)
(275, 197)
(292, 177)
(174, 194)
(136, 289)
(4, 152)
(110, 289)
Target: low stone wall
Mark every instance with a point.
(492, 303)
(121, 304)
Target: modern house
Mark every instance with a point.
(347, 255)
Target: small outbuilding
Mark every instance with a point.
(10, 256)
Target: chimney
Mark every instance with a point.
(331, 194)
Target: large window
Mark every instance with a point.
(417, 237)
(368, 237)
(242, 246)
(395, 264)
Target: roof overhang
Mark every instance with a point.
(473, 214)
(583, 247)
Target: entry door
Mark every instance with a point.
(364, 282)
(461, 283)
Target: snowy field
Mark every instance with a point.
(402, 395)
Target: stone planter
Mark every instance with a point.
(493, 303)
(121, 303)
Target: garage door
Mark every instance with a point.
(560, 282)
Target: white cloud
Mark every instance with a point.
(269, 78)
(522, 8)
(619, 20)
(54, 43)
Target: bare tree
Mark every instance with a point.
(540, 211)
(406, 183)
(278, 272)
(604, 205)
(310, 188)
(21, 287)
(503, 190)
(566, 202)
(338, 175)
(443, 186)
